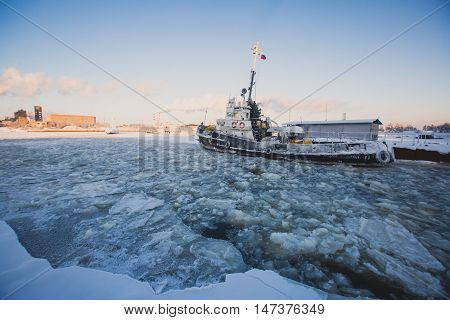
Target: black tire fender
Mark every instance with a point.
(383, 157)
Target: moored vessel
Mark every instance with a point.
(112, 130)
(245, 130)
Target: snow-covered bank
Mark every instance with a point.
(20, 134)
(25, 277)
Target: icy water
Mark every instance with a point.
(176, 216)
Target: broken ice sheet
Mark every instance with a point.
(192, 216)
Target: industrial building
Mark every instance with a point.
(37, 113)
(20, 118)
(63, 120)
(20, 114)
(352, 129)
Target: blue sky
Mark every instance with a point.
(189, 56)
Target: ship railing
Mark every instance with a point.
(409, 138)
(341, 136)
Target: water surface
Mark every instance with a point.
(178, 216)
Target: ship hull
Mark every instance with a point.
(338, 152)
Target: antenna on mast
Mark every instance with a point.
(256, 52)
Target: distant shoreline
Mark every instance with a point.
(78, 130)
(24, 134)
(62, 130)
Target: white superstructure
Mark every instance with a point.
(237, 119)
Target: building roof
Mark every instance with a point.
(364, 121)
(69, 115)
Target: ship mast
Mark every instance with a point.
(259, 127)
(256, 52)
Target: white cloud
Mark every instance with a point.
(212, 103)
(278, 108)
(69, 85)
(150, 87)
(13, 82)
(278, 105)
(193, 108)
(76, 86)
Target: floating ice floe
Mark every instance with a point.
(91, 203)
(133, 203)
(25, 277)
(398, 256)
